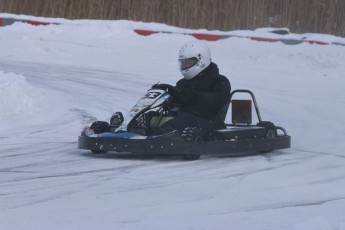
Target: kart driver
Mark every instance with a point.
(202, 91)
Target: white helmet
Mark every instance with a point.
(194, 57)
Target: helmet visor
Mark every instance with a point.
(187, 62)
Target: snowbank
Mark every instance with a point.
(17, 96)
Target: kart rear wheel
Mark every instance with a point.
(271, 133)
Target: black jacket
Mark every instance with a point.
(204, 94)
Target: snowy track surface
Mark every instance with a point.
(54, 80)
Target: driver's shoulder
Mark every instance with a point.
(220, 78)
(181, 82)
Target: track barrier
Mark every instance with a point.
(200, 36)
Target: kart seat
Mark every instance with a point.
(219, 122)
(241, 112)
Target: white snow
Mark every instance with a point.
(17, 97)
(56, 79)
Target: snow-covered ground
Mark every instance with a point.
(56, 79)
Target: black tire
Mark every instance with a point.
(271, 133)
(100, 127)
(191, 134)
(116, 119)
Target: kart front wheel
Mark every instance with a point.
(99, 127)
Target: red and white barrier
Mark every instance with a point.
(216, 37)
(10, 21)
(200, 36)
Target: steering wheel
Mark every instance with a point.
(169, 88)
(174, 101)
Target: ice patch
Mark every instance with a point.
(17, 96)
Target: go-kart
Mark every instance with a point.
(134, 133)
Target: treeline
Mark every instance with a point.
(300, 16)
